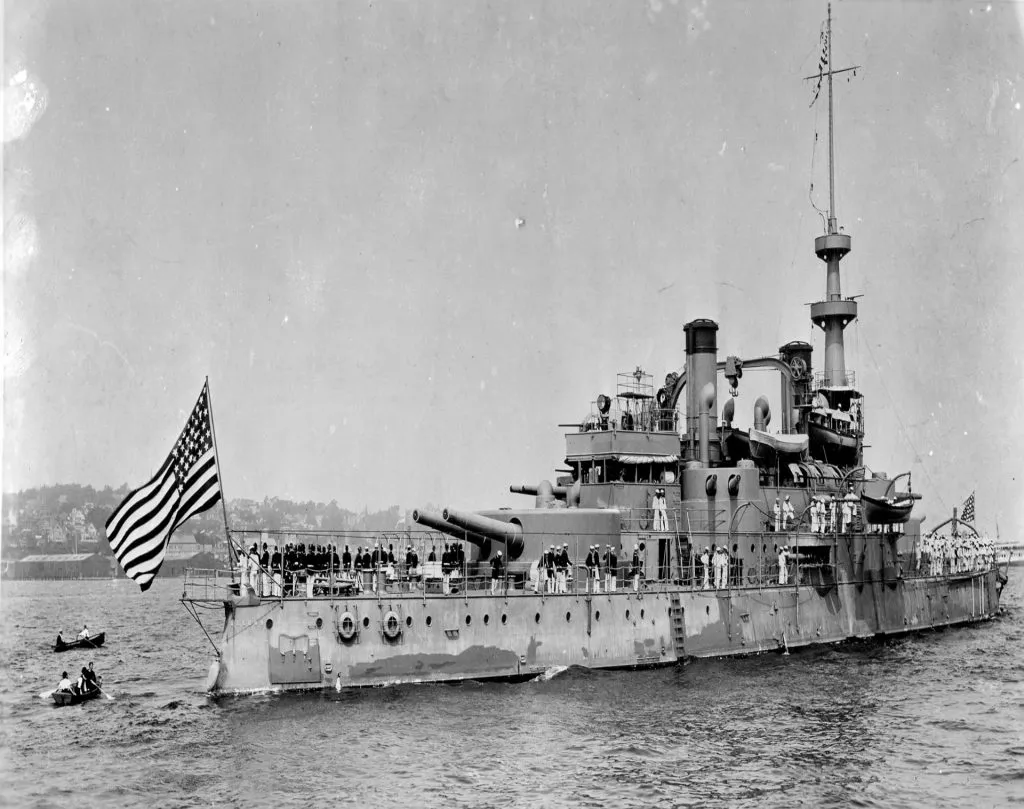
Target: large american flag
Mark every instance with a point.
(967, 512)
(186, 484)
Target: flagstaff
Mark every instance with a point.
(223, 499)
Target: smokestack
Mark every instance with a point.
(701, 370)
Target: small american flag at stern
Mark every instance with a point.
(967, 512)
(186, 484)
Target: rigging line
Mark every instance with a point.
(810, 190)
(195, 616)
(906, 434)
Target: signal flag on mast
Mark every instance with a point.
(186, 484)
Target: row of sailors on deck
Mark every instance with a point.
(553, 571)
(720, 569)
(268, 573)
(825, 514)
(955, 554)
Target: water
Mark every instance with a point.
(926, 721)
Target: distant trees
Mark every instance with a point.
(40, 511)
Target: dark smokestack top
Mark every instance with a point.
(701, 337)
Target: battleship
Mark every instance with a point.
(669, 533)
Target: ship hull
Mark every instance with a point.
(301, 644)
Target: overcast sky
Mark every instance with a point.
(315, 205)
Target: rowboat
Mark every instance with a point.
(74, 697)
(92, 642)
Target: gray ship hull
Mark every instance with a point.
(301, 644)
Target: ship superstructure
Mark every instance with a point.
(671, 533)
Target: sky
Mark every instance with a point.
(405, 241)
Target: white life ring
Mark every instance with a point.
(392, 625)
(347, 626)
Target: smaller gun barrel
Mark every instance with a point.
(558, 491)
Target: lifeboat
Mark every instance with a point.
(764, 445)
(887, 510)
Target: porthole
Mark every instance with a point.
(536, 618)
(627, 615)
(319, 623)
(752, 548)
(487, 619)
(568, 617)
(469, 620)
(641, 615)
(735, 547)
(597, 615)
(707, 610)
(270, 623)
(504, 618)
(366, 622)
(408, 620)
(428, 620)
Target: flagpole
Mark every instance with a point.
(220, 476)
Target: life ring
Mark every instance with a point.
(392, 625)
(347, 626)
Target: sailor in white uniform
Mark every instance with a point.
(788, 514)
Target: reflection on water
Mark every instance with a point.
(930, 720)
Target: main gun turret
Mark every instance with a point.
(477, 530)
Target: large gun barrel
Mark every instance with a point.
(436, 522)
(508, 533)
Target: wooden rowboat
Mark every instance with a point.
(74, 697)
(92, 642)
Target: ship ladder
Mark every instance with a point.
(676, 614)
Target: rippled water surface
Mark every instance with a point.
(924, 721)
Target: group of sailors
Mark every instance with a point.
(955, 554)
(714, 562)
(720, 569)
(826, 514)
(270, 573)
(553, 571)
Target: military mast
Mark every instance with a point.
(833, 314)
(835, 422)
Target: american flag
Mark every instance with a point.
(186, 484)
(967, 512)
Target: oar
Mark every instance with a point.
(46, 694)
(104, 693)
